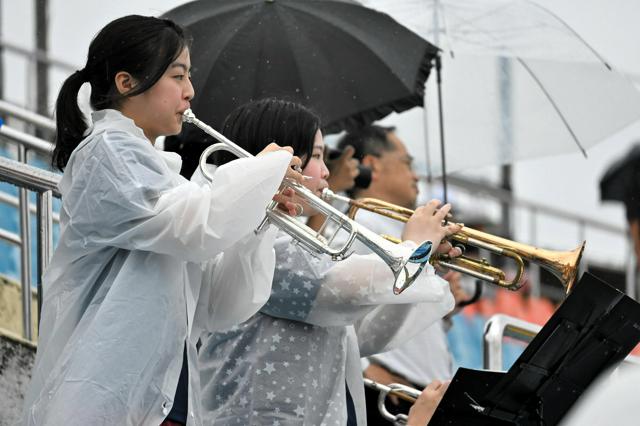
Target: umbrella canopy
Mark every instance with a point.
(518, 82)
(350, 64)
(621, 182)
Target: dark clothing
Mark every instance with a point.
(179, 411)
(351, 409)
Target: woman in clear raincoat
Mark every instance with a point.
(139, 269)
(297, 361)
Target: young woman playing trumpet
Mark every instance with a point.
(134, 261)
(297, 361)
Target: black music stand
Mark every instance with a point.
(595, 328)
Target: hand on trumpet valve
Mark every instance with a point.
(294, 172)
(286, 202)
(427, 223)
(286, 196)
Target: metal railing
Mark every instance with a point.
(500, 326)
(37, 120)
(44, 183)
(37, 55)
(496, 329)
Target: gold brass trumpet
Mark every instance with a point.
(563, 265)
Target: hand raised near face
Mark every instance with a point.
(344, 171)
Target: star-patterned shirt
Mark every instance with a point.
(287, 365)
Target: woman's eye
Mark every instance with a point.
(317, 156)
(179, 77)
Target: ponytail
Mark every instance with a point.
(143, 46)
(70, 124)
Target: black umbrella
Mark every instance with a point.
(621, 182)
(350, 64)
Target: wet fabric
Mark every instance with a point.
(288, 364)
(139, 271)
(426, 357)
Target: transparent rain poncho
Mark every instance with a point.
(426, 356)
(138, 273)
(288, 365)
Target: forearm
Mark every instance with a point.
(238, 283)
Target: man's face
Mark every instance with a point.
(395, 179)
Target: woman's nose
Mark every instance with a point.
(189, 91)
(325, 172)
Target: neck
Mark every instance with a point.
(127, 112)
(151, 138)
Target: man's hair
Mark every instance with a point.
(368, 140)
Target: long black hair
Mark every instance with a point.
(256, 124)
(143, 46)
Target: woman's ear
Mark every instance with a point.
(125, 82)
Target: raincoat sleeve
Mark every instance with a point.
(124, 195)
(389, 326)
(237, 283)
(320, 292)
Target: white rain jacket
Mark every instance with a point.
(133, 279)
(289, 363)
(426, 357)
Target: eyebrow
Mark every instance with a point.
(180, 65)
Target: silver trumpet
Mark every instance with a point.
(405, 266)
(401, 391)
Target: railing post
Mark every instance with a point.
(631, 270)
(25, 253)
(495, 329)
(492, 346)
(45, 239)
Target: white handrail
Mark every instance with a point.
(500, 326)
(495, 329)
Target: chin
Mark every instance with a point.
(175, 131)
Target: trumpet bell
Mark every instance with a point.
(563, 265)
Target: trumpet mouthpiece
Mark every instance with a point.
(329, 196)
(188, 116)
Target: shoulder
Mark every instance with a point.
(121, 159)
(121, 151)
(122, 142)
